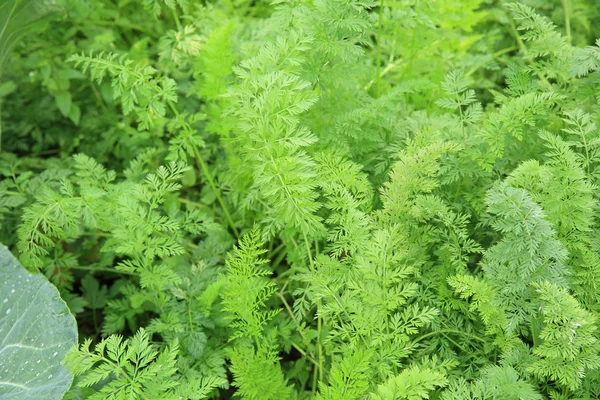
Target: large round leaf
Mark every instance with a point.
(36, 330)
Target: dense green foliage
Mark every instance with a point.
(311, 199)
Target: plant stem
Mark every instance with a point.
(204, 169)
(121, 24)
(0, 126)
(320, 347)
(301, 351)
(101, 269)
(176, 18)
(211, 182)
(417, 340)
(191, 202)
(494, 56)
(318, 372)
(378, 52)
(534, 333)
(291, 314)
(567, 10)
(523, 48)
(278, 261)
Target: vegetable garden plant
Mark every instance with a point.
(300, 199)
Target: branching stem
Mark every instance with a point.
(204, 169)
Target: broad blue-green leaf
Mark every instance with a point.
(21, 17)
(36, 331)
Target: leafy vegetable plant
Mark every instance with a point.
(36, 330)
(316, 199)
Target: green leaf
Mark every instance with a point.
(95, 296)
(19, 18)
(7, 88)
(189, 178)
(75, 114)
(36, 331)
(63, 101)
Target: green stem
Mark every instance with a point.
(449, 331)
(462, 116)
(494, 56)
(209, 177)
(318, 372)
(199, 159)
(320, 347)
(211, 182)
(567, 10)
(392, 65)
(101, 269)
(276, 250)
(448, 338)
(308, 251)
(534, 334)
(291, 314)
(98, 95)
(176, 18)
(523, 48)
(378, 52)
(121, 24)
(191, 202)
(301, 351)
(123, 372)
(97, 234)
(278, 261)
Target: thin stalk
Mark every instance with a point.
(495, 56)
(276, 250)
(442, 331)
(98, 96)
(98, 234)
(191, 202)
(211, 182)
(448, 338)
(534, 333)
(388, 68)
(462, 117)
(308, 251)
(278, 261)
(566, 4)
(291, 314)
(101, 269)
(176, 18)
(588, 159)
(378, 51)
(124, 373)
(301, 351)
(315, 379)
(204, 169)
(523, 48)
(320, 347)
(318, 371)
(121, 24)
